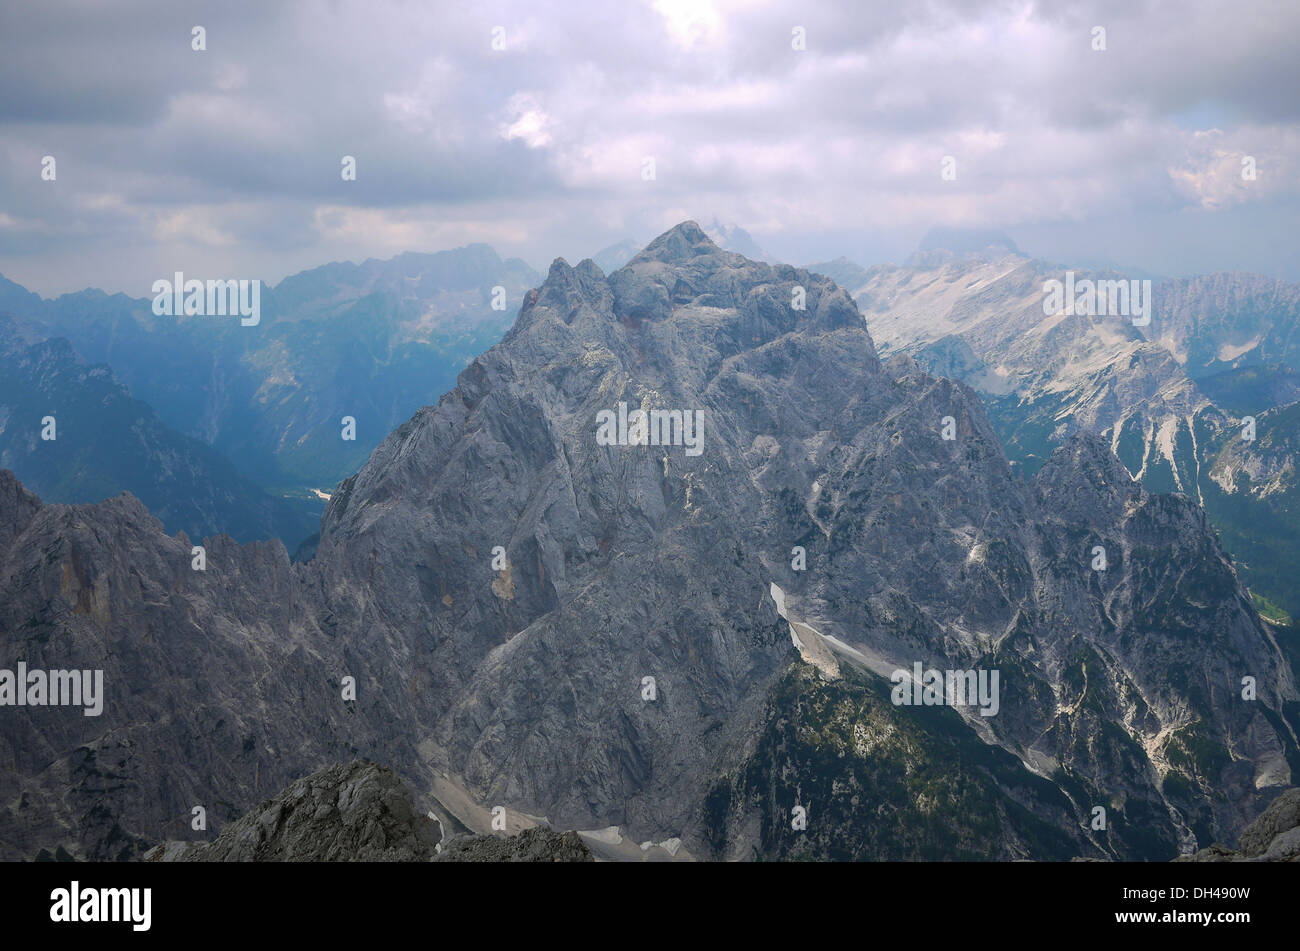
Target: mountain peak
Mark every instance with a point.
(679, 244)
(1085, 467)
(942, 246)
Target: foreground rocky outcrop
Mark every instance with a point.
(531, 845)
(360, 812)
(355, 812)
(1273, 837)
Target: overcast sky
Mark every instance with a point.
(226, 162)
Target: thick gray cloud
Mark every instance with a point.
(227, 160)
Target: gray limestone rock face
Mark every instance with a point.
(630, 561)
(583, 628)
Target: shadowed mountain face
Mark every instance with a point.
(218, 686)
(1274, 836)
(503, 581)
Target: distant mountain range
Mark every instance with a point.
(104, 443)
(1170, 397)
(373, 342)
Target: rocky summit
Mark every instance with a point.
(360, 812)
(667, 558)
